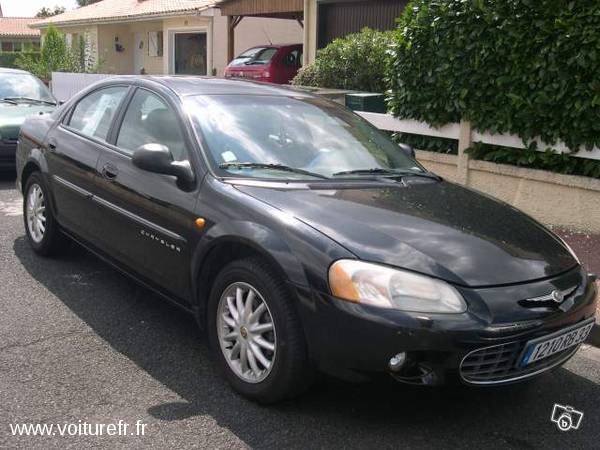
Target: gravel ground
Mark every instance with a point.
(80, 342)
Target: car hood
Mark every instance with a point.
(13, 116)
(435, 228)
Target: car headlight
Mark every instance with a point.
(375, 285)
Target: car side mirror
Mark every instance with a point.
(157, 158)
(408, 150)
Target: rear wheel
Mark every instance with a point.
(255, 333)
(40, 225)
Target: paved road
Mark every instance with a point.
(78, 341)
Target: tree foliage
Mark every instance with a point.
(526, 67)
(56, 56)
(87, 2)
(356, 62)
(49, 12)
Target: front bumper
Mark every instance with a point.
(8, 150)
(354, 341)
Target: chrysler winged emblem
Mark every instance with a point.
(554, 296)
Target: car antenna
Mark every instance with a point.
(267, 35)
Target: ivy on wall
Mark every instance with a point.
(525, 67)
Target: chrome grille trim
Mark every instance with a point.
(497, 364)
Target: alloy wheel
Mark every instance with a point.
(36, 213)
(246, 332)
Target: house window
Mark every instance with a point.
(7, 47)
(155, 43)
(36, 46)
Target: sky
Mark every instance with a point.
(28, 8)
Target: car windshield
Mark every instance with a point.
(293, 138)
(255, 56)
(24, 87)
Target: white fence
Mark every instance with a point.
(463, 133)
(66, 85)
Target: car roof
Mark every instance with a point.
(7, 70)
(185, 85)
(272, 46)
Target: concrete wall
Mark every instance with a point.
(113, 61)
(560, 200)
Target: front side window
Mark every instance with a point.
(149, 120)
(244, 133)
(94, 114)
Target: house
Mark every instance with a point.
(323, 20)
(163, 36)
(16, 36)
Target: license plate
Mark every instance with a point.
(556, 342)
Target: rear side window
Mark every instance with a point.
(149, 120)
(94, 114)
(293, 58)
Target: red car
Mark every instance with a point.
(270, 63)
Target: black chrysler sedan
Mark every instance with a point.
(300, 236)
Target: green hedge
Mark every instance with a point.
(8, 59)
(356, 62)
(526, 67)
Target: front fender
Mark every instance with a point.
(263, 239)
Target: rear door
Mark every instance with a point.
(74, 147)
(149, 221)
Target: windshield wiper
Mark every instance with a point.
(282, 167)
(374, 171)
(392, 172)
(7, 100)
(29, 99)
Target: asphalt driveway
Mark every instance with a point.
(80, 342)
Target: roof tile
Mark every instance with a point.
(107, 10)
(17, 26)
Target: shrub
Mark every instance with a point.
(9, 59)
(526, 67)
(356, 62)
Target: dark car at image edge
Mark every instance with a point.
(21, 95)
(300, 237)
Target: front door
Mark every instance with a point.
(74, 147)
(148, 223)
(190, 56)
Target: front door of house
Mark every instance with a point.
(190, 56)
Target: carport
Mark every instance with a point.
(236, 10)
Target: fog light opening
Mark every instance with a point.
(397, 362)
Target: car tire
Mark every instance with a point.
(290, 371)
(41, 228)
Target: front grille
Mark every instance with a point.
(498, 364)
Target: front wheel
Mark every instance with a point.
(41, 228)
(255, 333)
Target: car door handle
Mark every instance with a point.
(52, 145)
(109, 171)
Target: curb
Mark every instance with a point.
(594, 336)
